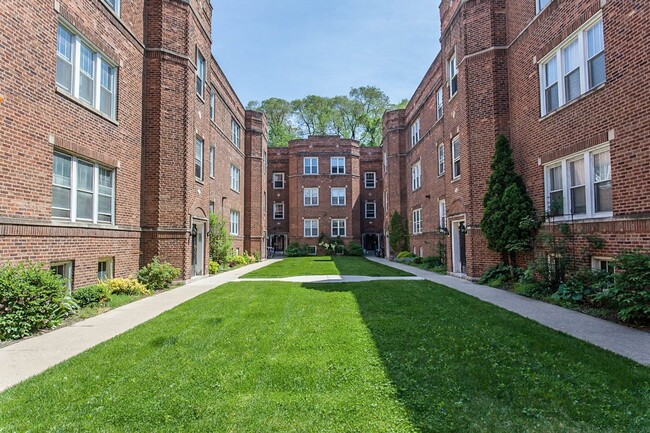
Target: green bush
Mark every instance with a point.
(296, 250)
(354, 249)
(418, 260)
(213, 267)
(500, 275)
(31, 298)
(629, 289)
(220, 238)
(125, 286)
(158, 276)
(234, 261)
(257, 256)
(405, 254)
(90, 296)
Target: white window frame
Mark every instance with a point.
(114, 5)
(455, 166)
(200, 73)
(439, 103)
(108, 273)
(588, 157)
(557, 55)
(68, 273)
(234, 222)
(310, 228)
(73, 191)
(278, 180)
(415, 133)
(339, 227)
(541, 4)
(452, 74)
(596, 264)
(265, 203)
(336, 198)
(309, 198)
(417, 221)
(308, 166)
(371, 210)
(235, 173)
(370, 179)
(99, 62)
(441, 159)
(278, 210)
(442, 214)
(212, 156)
(416, 176)
(235, 133)
(312, 250)
(337, 165)
(212, 104)
(199, 144)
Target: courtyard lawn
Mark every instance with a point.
(326, 265)
(408, 356)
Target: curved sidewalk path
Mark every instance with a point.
(26, 358)
(627, 342)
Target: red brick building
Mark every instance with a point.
(566, 82)
(325, 187)
(119, 133)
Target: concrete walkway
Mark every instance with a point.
(628, 342)
(29, 357)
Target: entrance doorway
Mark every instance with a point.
(278, 242)
(198, 248)
(370, 243)
(459, 247)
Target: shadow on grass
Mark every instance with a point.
(461, 365)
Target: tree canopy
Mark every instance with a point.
(357, 115)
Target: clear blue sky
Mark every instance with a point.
(293, 48)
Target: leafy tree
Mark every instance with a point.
(279, 113)
(509, 222)
(398, 233)
(220, 238)
(374, 102)
(401, 104)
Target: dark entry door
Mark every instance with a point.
(463, 248)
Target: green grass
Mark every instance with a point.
(326, 265)
(383, 357)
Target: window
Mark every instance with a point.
(234, 178)
(114, 4)
(310, 165)
(310, 197)
(541, 4)
(370, 178)
(580, 185)
(200, 73)
(416, 176)
(198, 158)
(574, 68)
(338, 196)
(264, 202)
(84, 73)
(338, 228)
(211, 207)
(278, 211)
(415, 133)
(234, 133)
(64, 270)
(311, 228)
(105, 269)
(442, 214)
(417, 221)
(441, 159)
(212, 161)
(455, 154)
(439, 109)
(337, 165)
(265, 161)
(234, 222)
(212, 101)
(312, 250)
(371, 210)
(82, 190)
(278, 180)
(452, 73)
(602, 264)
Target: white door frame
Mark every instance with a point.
(199, 268)
(456, 267)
